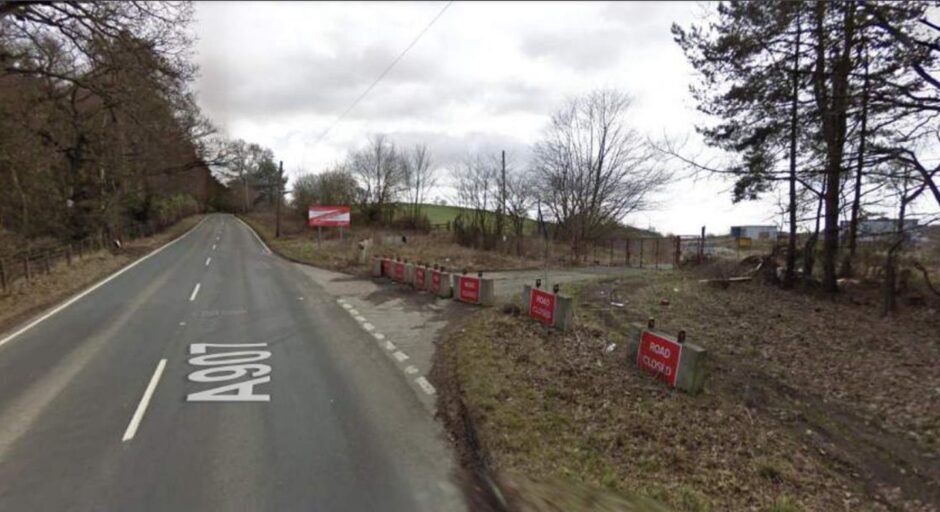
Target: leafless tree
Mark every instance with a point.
(520, 197)
(420, 178)
(477, 183)
(592, 167)
(381, 173)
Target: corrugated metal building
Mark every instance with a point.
(754, 232)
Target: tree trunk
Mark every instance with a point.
(859, 166)
(790, 275)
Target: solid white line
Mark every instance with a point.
(144, 401)
(258, 238)
(207, 261)
(94, 287)
(425, 385)
(401, 356)
(195, 291)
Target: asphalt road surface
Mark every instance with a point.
(212, 375)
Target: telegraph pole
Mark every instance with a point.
(280, 198)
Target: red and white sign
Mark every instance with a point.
(468, 289)
(659, 355)
(419, 278)
(399, 271)
(435, 281)
(542, 306)
(327, 216)
(386, 267)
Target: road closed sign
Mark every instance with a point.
(468, 289)
(399, 271)
(542, 306)
(328, 216)
(435, 281)
(659, 355)
(419, 278)
(386, 267)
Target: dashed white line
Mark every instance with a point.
(207, 261)
(142, 406)
(379, 336)
(360, 318)
(411, 369)
(352, 311)
(390, 346)
(347, 306)
(213, 247)
(195, 291)
(425, 385)
(367, 326)
(401, 356)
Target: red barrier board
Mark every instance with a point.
(468, 289)
(542, 306)
(435, 281)
(660, 356)
(419, 278)
(399, 271)
(386, 267)
(319, 216)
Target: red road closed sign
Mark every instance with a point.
(542, 306)
(435, 281)
(399, 271)
(386, 267)
(419, 278)
(327, 216)
(468, 289)
(660, 356)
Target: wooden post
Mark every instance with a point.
(319, 235)
(701, 246)
(641, 251)
(627, 250)
(678, 253)
(657, 253)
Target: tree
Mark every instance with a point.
(592, 167)
(519, 197)
(381, 173)
(420, 178)
(329, 188)
(477, 183)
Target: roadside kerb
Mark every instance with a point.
(546, 307)
(671, 359)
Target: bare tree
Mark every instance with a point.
(477, 183)
(520, 197)
(592, 167)
(381, 174)
(420, 178)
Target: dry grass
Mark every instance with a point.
(804, 397)
(26, 299)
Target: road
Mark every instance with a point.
(134, 398)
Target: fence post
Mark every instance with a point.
(3, 276)
(627, 251)
(641, 251)
(678, 253)
(26, 268)
(657, 253)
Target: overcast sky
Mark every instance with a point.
(485, 77)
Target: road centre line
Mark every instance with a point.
(94, 287)
(195, 291)
(144, 401)
(207, 261)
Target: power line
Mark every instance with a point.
(382, 75)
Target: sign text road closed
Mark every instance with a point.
(468, 289)
(435, 281)
(542, 306)
(419, 278)
(328, 216)
(399, 271)
(660, 356)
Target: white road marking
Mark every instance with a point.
(379, 336)
(401, 356)
(360, 318)
(367, 326)
(390, 346)
(300, 298)
(341, 301)
(229, 366)
(207, 261)
(144, 401)
(258, 238)
(213, 247)
(347, 306)
(195, 291)
(425, 385)
(353, 312)
(411, 369)
(94, 287)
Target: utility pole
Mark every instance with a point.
(502, 201)
(280, 198)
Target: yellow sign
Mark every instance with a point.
(744, 243)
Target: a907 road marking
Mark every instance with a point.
(223, 366)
